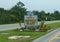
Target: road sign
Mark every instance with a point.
(30, 20)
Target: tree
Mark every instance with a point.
(20, 4)
(18, 10)
(57, 15)
(1, 10)
(43, 15)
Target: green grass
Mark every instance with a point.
(54, 25)
(34, 35)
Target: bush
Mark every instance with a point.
(43, 27)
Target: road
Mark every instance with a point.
(53, 36)
(9, 26)
(16, 25)
(47, 22)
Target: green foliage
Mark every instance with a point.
(50, 16)
(34, 35)
(54, 25)
(17, 12)
(43, 27)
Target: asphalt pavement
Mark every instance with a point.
(53, 36)
(9, 26)
(16, 25)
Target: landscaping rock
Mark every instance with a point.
(18, 37)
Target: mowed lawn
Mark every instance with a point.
(54, 25)
(33, 34)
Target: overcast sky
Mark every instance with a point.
(46, 5)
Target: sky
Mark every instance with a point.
(46, 5)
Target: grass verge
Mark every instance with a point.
(33, 34)
(54, 25)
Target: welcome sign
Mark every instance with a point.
(30, 20)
